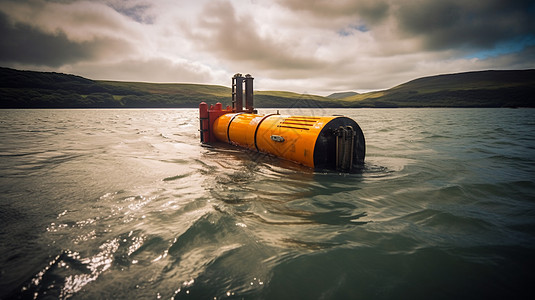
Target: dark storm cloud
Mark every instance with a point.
(25, 44)
(370, 10)
(439, 24)
(477, 24)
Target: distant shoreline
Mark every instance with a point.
(483, 89)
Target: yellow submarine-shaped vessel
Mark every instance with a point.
(322, 143)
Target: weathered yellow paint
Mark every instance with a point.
(290, 137)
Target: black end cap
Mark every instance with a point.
(325, 148)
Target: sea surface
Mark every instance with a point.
(127, 204)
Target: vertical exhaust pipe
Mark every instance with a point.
(249, 105)
(237, 92)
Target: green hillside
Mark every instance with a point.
(342, 95)
(29, 89)
(471, 89)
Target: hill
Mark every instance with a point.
(515, 88)
(342, 95)
(30, 89)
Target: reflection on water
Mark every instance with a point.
(127, 203)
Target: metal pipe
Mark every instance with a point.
(249, 105)
(237, 92)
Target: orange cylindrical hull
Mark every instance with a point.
(302, 139)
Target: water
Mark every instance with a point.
(108, 204)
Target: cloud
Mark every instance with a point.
(157, 69)
(108, 39)
(469, 24)
(372, 11)
(314, 46)
(236, 38)
(138, 10)
(512, 61)
(383, 43)
(438, 25)
(79, 20)
(19, 43)
(54, 34)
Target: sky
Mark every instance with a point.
(305, 46)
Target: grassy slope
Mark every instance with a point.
(341, 95)
(214, 93)
(283, 99)
(29, 89)
(470, 89)
(172, 88)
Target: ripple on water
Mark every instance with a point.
(131, 205)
